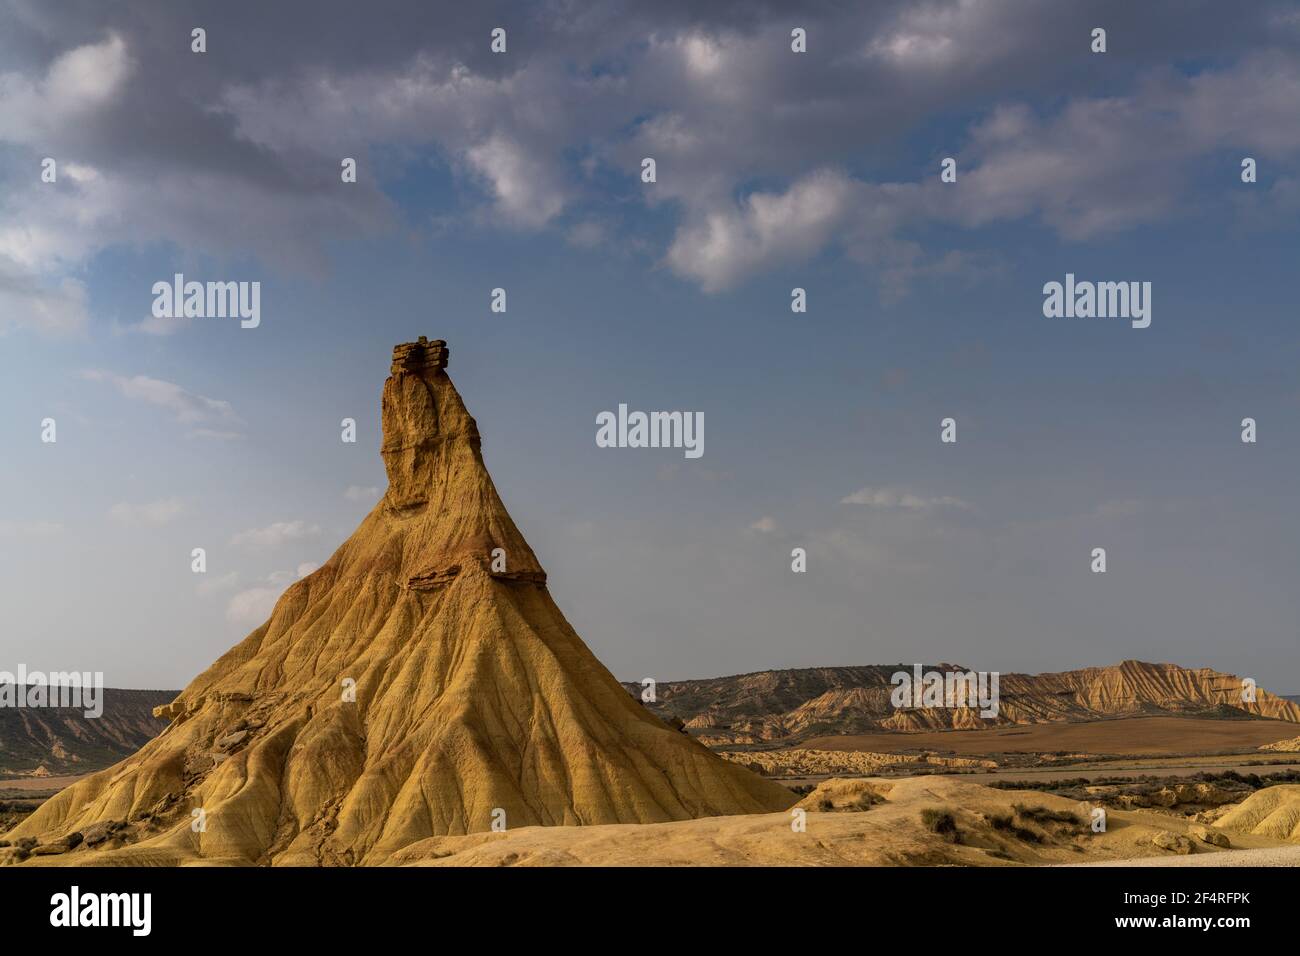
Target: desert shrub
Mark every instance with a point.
(940, 820)
(864, 801)
(1006, 823)
(1044, 815)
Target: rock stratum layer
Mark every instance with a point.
(792, 705)
(473, 695)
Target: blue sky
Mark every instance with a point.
(775, 170)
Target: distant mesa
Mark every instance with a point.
(794, 705)
(62, 740)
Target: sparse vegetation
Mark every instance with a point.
(1006, 823)
(1017, 823)
(18, 804)
(1043, 815)
(1099, 789)
(859, 801)
(940, 821)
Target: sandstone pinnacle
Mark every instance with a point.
(421, 682)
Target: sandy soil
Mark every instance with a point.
(1264, 856)
(859, 822)
(890, 832)
(40, 783)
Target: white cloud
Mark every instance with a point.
(912, 49)
(282, 578)
(1106, 164)
(900, 499)
(927, 42)
(87, 103)
(55, 307)
(253, 606)
(719, 247)
(435, 99)
(367, 494)
(34, 112)
(188, 407)
(153, 512)
(719, 107)
(1094, 167)
(153, 325)
(704, 56)
(77, 83)
(274, 535)
(526, 193)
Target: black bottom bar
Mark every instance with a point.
(808, 906)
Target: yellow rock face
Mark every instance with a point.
(1272, 812)
(421, 683)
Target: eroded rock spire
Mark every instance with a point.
(421, 682)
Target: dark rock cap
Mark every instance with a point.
(415, 356)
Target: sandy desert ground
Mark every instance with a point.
(865, 822)
(916, 821)
(1265, 856)
(1123, 736)
(36, 784)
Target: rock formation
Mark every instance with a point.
(792, 705)
(421, 683)
(57, 740)
(1272, 812)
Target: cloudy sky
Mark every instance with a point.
(775, 170)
